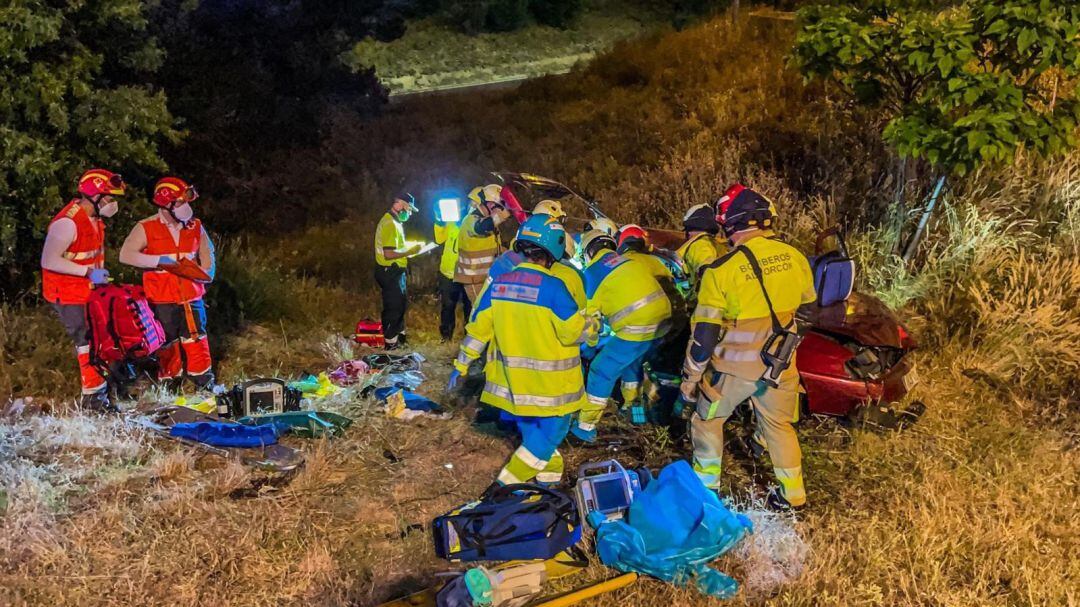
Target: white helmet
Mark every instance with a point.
(487, 193)
(550, 207)
(602, 224)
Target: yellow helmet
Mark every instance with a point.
(550, 207)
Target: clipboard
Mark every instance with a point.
(186, 268)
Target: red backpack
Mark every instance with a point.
(122, 325)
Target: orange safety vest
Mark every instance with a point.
(161, 286)
(88, 249)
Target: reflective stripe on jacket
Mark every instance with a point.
(534, 329)
(731, 297)
(476, 252)
(627, 295)
(88, 249)
(161, 286)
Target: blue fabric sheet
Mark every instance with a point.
(219, 434)
(675, 528)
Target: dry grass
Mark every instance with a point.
(976, 505)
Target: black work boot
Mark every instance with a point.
(98, 402)
(778, 503)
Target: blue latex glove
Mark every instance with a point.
(165, 260)
(98, 276)
(455, 375)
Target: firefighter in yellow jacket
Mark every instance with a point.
(735, 318)
(478, 239)
(533, 375)
(637, 310)
(701, 247)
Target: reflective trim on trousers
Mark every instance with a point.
(507, 478)
(536, 364)
(529, 459)
(634, 307)
(708, 470)
(791, 485)
(530, 400)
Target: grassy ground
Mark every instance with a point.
(976, 505)
(433, 54)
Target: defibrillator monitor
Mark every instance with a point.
(606, 487)
(449, 210)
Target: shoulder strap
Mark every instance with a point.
(716, 263)
(777, 327)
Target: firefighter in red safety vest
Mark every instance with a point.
(163, 239)
(73, 261)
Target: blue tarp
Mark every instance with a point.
(219, 434)
(675, 527)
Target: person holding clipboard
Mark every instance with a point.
(392, 255)
(177, 257)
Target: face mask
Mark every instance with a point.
(404, 216)
(183, 213)
(109, 208)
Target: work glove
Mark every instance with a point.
(98, 276)
(455, 376)
(165, 260)
(683, 409)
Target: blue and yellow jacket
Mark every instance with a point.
(627, 296)
(534, 328)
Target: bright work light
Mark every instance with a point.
(449, 210)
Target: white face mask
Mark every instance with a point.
(183, 213)
(109, 208)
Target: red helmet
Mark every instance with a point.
(741, 208)
(101, 182)
(169, 190)
(632, 230)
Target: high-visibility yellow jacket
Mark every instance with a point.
(731, 297)
(534, 329)
(446, 234)
(698, 252)
(573, 280)
(476, 251)
(390, 234)
(656, 267)
(627, 296)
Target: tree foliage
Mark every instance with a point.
(961, 85)
(70, 97)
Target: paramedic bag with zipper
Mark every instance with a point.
(780, 348)
(514, 522)
(834, 271)
(122, 325)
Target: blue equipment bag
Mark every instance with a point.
(834, 271)
(515, 522)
